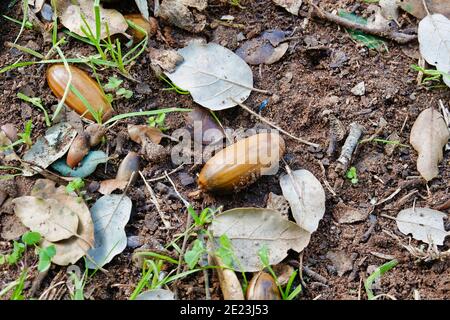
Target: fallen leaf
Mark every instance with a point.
(424, 224)
(204, 128)
(156, 294)
(70, 16)
(306, 197)
(434, 42)
(264, 49)
(177, 13)
(429, 135)
(11, 226)
(110, 215)
(70, 250)
(341, 261)
(49, 148)
(278, 203)
(213, 75)
(249, 229)
(416, 8)
(110, 185)
(86, 168)
(137, 132)
(8, 154)
(165, 60)
(143, 8)
(292, 6)
(389, 9)
(343, 213)
(52, 219)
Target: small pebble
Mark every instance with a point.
(359, 89)
(185, 179)
(47, 12)
(134, 242)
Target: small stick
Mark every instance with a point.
(243, 106)
(314, 275)
(300, 270)
(398, 37)
(349, 146)
(392, 195)
(155, 202)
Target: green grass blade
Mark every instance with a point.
(145, 113)
(377, 274)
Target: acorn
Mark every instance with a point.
(263, 287)
(78, 150)
(241, 163)
(57, 79)
(128, 165)
(150, 26)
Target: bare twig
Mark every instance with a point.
(155, 202)
(349, 146)
(386, 32)
(243, 106)
(314, 275)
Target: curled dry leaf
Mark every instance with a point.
(229, 282)
(110, 215)
(49, 148)
(306, 197)
(204, 128)
(292, 6)
(164, 60)
(264, 49)
(70, 250)
(424, 224)
(177, 12)
(128, 165)
(86, 168)
(138, 132)
(416, 8)
(429, 135)
(70, 13)
(434, 42)
(249, 229)
(213, 75)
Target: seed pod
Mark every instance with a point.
(242, 163)
(150, 26)
(128, 165)
(263, 287)
(57, 79)
(78, 150)
(96, 132)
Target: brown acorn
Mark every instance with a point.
(78, 150)
(150, 26)
(263, 287)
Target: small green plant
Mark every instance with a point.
(158, 122)
(25, 137)
(75, 185)
(236, 3)
(28, 25)
(78, 285)
(381, 270)
(288, 293)
(352, 175)
(113, 86)
(433, 75)
(173, 86)
(37, 102)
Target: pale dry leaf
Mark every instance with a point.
(434, 42)
(416, 8)
(429, 135)
(424, 224)
(292, 6)
(177, 13)
(249, 229)
(49, 148)
(156, 294)
(143, 8)
(138, 132)
(71, 17)
(213, 75)
(110, 185)
(70, 250)
(306, 197)
(167, 60)
(266, 48)
(389, 9)
(110, 214)
(52, 219)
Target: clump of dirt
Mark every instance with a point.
(307, 86)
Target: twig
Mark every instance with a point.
(243, 106)
(392, 195)
(398, 37)
(349, 146)
(300, 270)
(206, 276)
(314, 275)
(155, 202)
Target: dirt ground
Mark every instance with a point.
(308, 84)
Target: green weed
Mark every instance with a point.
(352, 175)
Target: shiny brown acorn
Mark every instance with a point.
(150, 26)
(241, 163)
(263, 287)
(128, 165)
(57, 79)
(78, 150)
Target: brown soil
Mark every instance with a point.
(301, 106)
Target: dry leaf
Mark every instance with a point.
(164, 60)
(204, 128)
(156, 294)
(306, 197)
(177, 13)
(49, 148)
(249, 229)
(52, 219)
(70, 16)
(424, 224)
(213, 75)
(110, 215)
(8, 154)
(292, 6)
(143, 8)
(389, 9)
(341, 261)
(264, 49)
(416, 8)
(434, 42)
(429, 135)
(137, 132)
